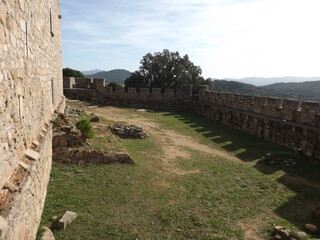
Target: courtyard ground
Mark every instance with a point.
(193, 179)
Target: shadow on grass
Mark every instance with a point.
(303, 179)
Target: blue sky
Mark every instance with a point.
(226, 38)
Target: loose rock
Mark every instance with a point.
(66, 219)
(95, 119)
(311, 227)
(47, 234)
(128, 131)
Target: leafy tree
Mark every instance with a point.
(208, 82)
(137, 80)
(114, 85)
(68, 72)
(165, 70)
(86, 129)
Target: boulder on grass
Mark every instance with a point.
(61, 223)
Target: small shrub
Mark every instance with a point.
(86, 129)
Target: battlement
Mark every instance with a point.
(286, 110)
(291, 123)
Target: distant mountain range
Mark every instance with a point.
(259, 81)
(304, 91)
(91, 72)
(116, 75)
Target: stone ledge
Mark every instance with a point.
(31, 154)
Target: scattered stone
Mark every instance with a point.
(79, 155)
(142, 110)
(24, 165)
(47, 234)
(268, 159)
(95, 119)
(36, 143)
(128, 131)
(311, 227)
(281, 233)
(73, 112)
(299, 235)
(31, 154)
(10, 186)
(66, 219)
(91, 107)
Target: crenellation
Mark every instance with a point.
(168, 93)
(69, 82)
(98, 84)
(273, 107)
(156, 93)
(289, 109)
(282, 121)
(258, 104)
(248, 102)
(309, 112)
(203, 89)
(214, 97)
(184, 92)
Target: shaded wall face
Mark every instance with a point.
(30, 76)
(287, 122)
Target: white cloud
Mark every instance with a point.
(227, 38)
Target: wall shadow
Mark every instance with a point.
(303, 179)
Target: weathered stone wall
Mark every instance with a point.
(287, 122)
(30, 91)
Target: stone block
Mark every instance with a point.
(66, 219)
(31, 154)
(36, 142)
(24, 165)
(3, 228)
(47, 234)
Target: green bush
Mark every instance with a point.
(85, 127)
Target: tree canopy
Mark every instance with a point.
(114, 85)
(165, 70)
(69, 72)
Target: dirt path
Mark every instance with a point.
(173, 144)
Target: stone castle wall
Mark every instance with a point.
(290, 123)
(30, 91)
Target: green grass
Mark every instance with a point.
(143, 201)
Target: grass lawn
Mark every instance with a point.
(210, 197)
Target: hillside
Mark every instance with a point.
(304, 91)
(90, 72)
(116, 75)
(260, 81)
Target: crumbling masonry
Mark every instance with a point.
(30, 91)
(290, 123)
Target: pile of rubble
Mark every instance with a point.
(73, 112)
(268, 159)
(128, 131)
(281, 233)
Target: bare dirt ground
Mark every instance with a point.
(172, 143)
